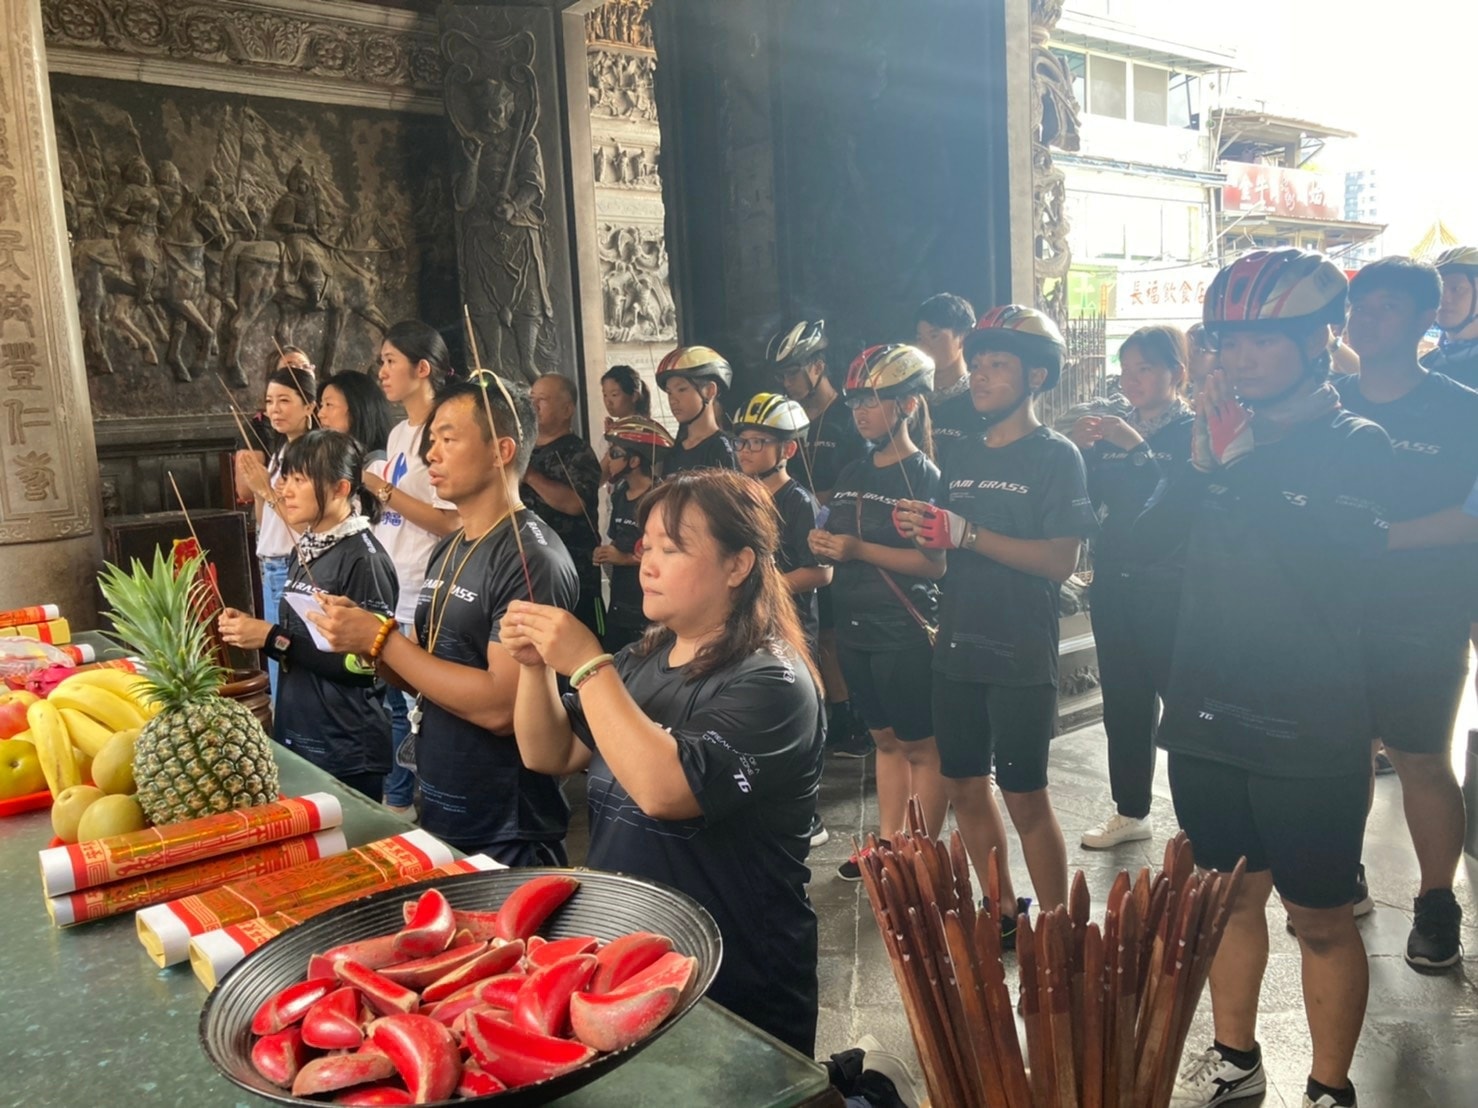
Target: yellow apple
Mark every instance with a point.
(20, 770)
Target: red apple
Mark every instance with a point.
(13, 705)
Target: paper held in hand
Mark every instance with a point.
(303, 603)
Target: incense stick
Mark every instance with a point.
(600, 618)
(296, 536)
(497, 453)
(199, 546)
(242, 423)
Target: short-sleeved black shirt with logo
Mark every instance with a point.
(999, 625)
(476, 793)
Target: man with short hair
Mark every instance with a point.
(476, 793)
(940, 326)
(1415, 637)
(562, 485)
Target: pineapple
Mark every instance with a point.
(202, 753)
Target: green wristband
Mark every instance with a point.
(589, 669)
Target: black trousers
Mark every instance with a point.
(1134, 634)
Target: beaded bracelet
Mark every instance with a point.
(589, 670)
(386, 629)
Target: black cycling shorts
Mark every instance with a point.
(1415, 688)
(1307, 831)
(890, 689)
(1011, 725)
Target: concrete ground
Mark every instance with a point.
(1419, 1048)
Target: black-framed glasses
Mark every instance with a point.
(747, 445)
(863, 400)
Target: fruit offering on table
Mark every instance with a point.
(464, 1004)
(200, 753)
(20, 770)
(13, 705)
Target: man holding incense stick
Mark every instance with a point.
(476, 793)
(562, 485)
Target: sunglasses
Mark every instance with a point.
(618, 454)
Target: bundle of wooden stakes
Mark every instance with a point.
(1106, 1010)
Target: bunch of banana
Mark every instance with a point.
(80, 717)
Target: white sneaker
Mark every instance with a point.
(1115, 830)
(820, 836)
(1208, 1078)
(1325, 1101)
(910, 1090)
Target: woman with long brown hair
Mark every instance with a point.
(703, 739)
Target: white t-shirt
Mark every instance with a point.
(408, 545)
(274, 540)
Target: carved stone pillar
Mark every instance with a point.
(1054, 123)
(508, 184)
(637, 306)
(50, 550)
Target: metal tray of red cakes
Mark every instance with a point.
(605, 905)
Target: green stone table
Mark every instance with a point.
(86, 1019)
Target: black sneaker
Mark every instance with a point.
(846, 737)
(1434, 942)
(1008, 923)
(850, 870)
(858, 745)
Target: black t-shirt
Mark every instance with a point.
(1457, 361)
(832, 444)
(475, 790)
(626, 594)
(797, 509)
(1268, 672)
(1121, 482)
(714, 452)
(954, 421)
(568, 460)
(1434, 446)
(869, 615)
(750, 741)
(332, 717)
(998, 625)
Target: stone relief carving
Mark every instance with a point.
(623, 22)
(634, 285)
(290, 218)
(1055, 123)
(219, 31)
(621, 86)
(498, 190)
(629, 166)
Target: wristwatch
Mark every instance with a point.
(385, 493)
(970, 535)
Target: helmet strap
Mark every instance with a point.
(1472, 315)
(774, 469)
(990, 419)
